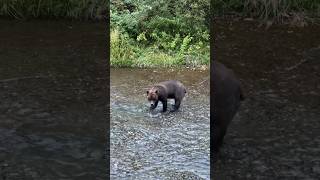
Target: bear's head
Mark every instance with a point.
(153, 96)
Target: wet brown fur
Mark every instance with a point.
(227, 95)
(166, 90)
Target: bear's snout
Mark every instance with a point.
(152, 103)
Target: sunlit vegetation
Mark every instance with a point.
(159, 33)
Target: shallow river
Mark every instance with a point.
(53, 91)
(155, 145)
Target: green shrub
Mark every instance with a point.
(160, 33)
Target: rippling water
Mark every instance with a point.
(157, 145)
(52, 100)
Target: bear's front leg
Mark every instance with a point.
(154, 105)
(177, 103)
(164, 103)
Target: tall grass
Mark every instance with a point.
(73, 9)
(268, 9)
(122, 53)
(281, 9)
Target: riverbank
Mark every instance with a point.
(127, 53)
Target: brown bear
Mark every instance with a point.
(166, 90)
(227, 95)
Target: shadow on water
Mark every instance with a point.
(155, 145)
(52, 100)
(275, 135)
